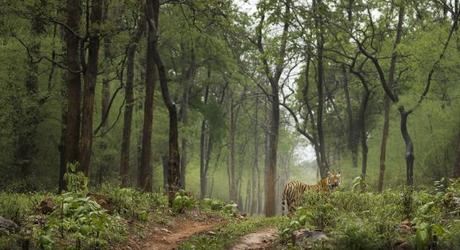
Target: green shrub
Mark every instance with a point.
(129, 202)
(182, 202)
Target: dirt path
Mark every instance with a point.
(262, 239)
(165, 238)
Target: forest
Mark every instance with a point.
(229, 124)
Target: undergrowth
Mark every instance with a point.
(422, 219)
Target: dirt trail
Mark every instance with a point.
(165, 238)
(262, 239)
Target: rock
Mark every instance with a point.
(46, 206)
(402, 245)
(8, 226)
(165, 230)
(212, 233)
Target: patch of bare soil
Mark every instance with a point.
(169, 236)
(262, 239)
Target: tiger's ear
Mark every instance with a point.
(328, 173)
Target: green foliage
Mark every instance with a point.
(182, 202)
(75, 181)
(80, 220)
(218, 205)
(363, 220)
(129, 202)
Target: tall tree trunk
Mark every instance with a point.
(270, 171)
(274, 115)
(383, 145)
(129, 97)
(145, 167)
(174, 157)
(362, 119)
(90, 78)
(255, 167)
(203, 146)
(231, 172)
(320, 89)
(72, 127)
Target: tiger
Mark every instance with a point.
(294, 190)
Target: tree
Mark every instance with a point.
(145, 167)
(90, 70)
(129, 98)
(72, 127)
(273, 78)
(174, 157)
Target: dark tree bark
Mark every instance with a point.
(145, 167)
(72, 127)
(91, 71)
(409, 146)
(129, 97)
(383, 145)
(320, 89)
(174, 157)
(363, 129)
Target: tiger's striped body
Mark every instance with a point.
(294, 190)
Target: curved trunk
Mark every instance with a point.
(409, 146)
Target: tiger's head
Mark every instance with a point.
(334, 179)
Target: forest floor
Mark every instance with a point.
(261, 239)
(171, 231)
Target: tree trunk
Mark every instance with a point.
(128, 112)
(362, 119)
(270, 171)
(145, 167)
(255, 167)
(320, 89)
(231, 172)
(409, 146)
(383, 145)
(90, 78)
(174, 157)
(203, 161)
(72, 123)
